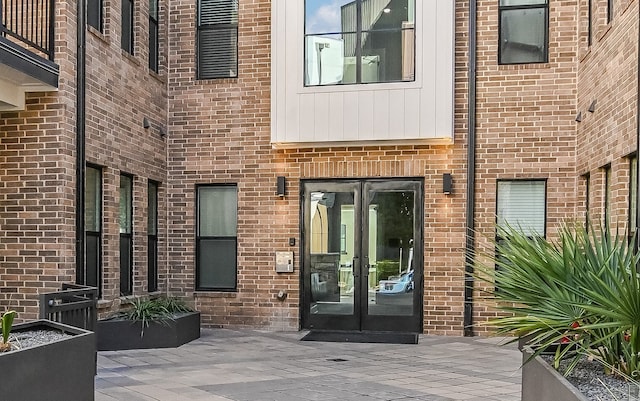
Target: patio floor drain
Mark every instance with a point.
(337, 360)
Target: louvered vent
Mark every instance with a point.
(218, 39)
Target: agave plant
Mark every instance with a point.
(6, 323)
(582, 290)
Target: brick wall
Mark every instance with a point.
(525, 125)
(37, 162)
(608, 75)
(219, 133)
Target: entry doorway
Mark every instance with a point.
(362, 264)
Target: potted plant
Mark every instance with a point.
(46, 360)
(575, 298)
(159, 322)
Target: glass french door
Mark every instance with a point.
(362, 261)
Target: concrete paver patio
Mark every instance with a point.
(249, 365)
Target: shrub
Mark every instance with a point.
(153, 309)
(582, 290)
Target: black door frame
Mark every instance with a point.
(361, 320)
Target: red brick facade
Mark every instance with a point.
(218, 131)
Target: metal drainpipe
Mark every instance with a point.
(471, 172)
(637, 234)
(80, 141)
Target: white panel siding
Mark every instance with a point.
(336, 115)
(396, 113)
(401, 111)
(381, 114)
(445, 72)
(365, 116)
(323, 115)
(350, 132)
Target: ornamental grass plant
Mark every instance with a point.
(579, 295)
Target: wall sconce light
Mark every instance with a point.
(163, 132)
(281, 188)
(579, 117)
(592, 106)
(447, 183)
(145, 123)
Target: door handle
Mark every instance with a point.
(365, 266)
(354, 261)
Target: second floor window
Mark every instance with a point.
(127, 26)
(153, 35)
(524, 26)
(94, 14)
(359, 41)
(217, 39)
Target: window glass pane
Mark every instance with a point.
(218, 53)
(521, 2)
(94, 14)
(218, 12)
(152, 208)
(217, 263)
(523, 35)
(125, 204)
(384, 55)
(330, 59)
(127, 26)
(92, 199)
(330, 16)
(359, 41)
(218, 210)
(153, 9)
(521, 205)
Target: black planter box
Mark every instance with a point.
(541, 382)
(61, 370)
(118, 334)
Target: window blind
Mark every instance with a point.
(521, 205)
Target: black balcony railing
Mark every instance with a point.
(29, 23)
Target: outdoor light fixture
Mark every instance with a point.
(592, 107)
(281, 186)
(579, 117)
(145, 123)
(447, 183)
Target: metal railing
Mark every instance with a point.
(75, 305)
(29, 23)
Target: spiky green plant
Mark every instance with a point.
(6, 323)
(582, 290)
(159, 309)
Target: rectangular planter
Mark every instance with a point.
(541, 382)
(118, 334)
(61, 370)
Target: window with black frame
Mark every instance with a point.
(606, 171)
(92, 274)
(216, 239)
(126, 237)
(94, 14)
(609, 11)
(153, 35)
(126, 37)
(217, 39)
(587, 194)
(523, 31)
(152, 236)
(520, 205)
(359, 41)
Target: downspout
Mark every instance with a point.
(471, 172)
(80, 141)
(637, 233)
